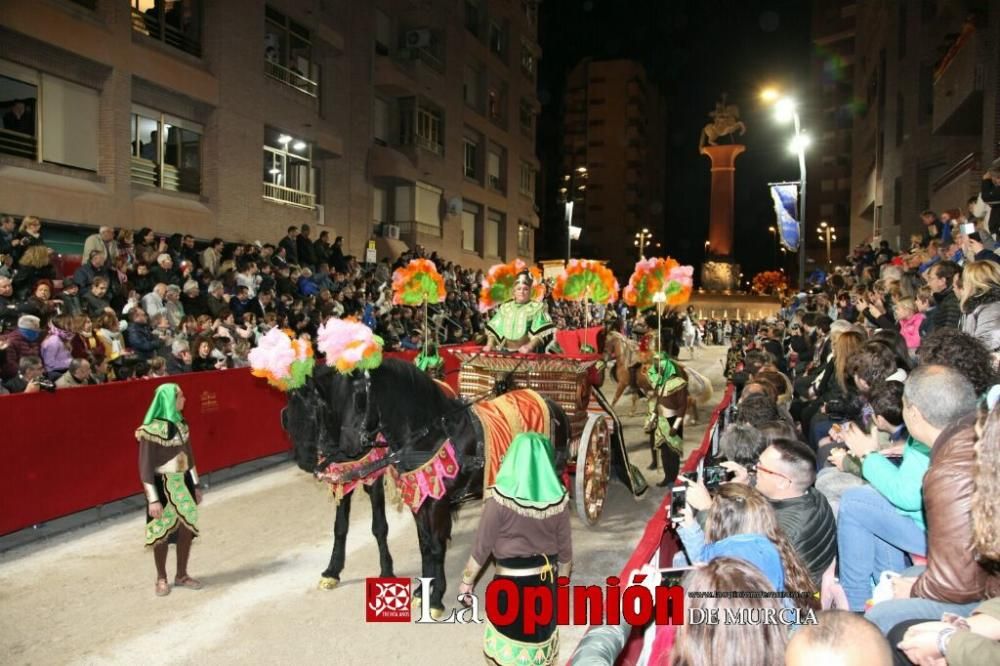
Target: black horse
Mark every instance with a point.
(336, 418)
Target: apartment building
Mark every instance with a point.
(830, 124)
(613, 166)
(926, 80)
(239, 118)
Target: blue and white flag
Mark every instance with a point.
(786, 198)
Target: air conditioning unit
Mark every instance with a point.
(418, 39)
(320, 215)
(391, 231)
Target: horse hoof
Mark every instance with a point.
(328, 582)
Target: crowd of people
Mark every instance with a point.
(146, 305)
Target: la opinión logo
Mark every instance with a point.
(388, 600)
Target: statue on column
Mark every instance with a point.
(725, 122)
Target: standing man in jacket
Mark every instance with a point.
(953, 581)
(941, 279)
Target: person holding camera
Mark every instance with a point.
(30, 376)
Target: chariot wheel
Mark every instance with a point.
(593, 469)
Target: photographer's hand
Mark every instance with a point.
(740, 473)
(32, 387)
(698, 497)
(859, 442)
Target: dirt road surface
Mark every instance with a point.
(86, 596)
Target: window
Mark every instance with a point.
(471, 214)
(524, 239)
(166, 151)
(527, 61)
(383, 33)
(380, 121)
(47, 119)
(289, 176)
(427, 208)
(497, 104)
(380, 206)
(471, 88)
(527, 179)
(176, 24)
(526, 118)
(492, 231)
(498, 39)
(495, 163)
(471, 158)
(530, 10)
(473, 19)
(288, 53)
(421, 126)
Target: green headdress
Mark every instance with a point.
(164, 405)
(527, 482)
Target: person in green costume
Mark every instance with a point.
(665, 414)
(520, 325)
(525, 526)
(170, 482)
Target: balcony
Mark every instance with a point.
(286, 195)
(21, 145)
(387, 163)
(958, 87)
(146, 172)
(149, 23)
(292, 78)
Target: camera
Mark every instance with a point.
(45, 384)
(712, 475)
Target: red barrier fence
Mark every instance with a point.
(655, 537)
(75, 449)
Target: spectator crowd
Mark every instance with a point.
(146, 305)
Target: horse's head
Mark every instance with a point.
(306, 419)
(361, 420)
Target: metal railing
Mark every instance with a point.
(153, 26)
(21, 145)
(146, 172)
(291, 78)
(287, 195)
(427, 144)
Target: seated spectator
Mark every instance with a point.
(172, 307)
(974, 640)
(157, 367)
(909, 321)
(218, 299)
(741, 523)
(179, 360)
(939, 409)
(140, 337)
(786, 472)
(69, 298)
(925, 305)
(757, 408)
(162, 329)
(192, 300)
(95, 301)
(30, 376)
(203, 358)
(838, 638)
(306, 286)
(262, 305)
(41, 304)
(980, 303)
(963, 352)
(941, 279)
(110, 336)
(9, 308)
(413, 341)
(25, 340)
(56, 354)
(94, 267)
(34, 266)
(165, 272)
(742, 444)
(78, 374)
(728, 643)
(84, 343)
(153, 302)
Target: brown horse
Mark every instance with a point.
(625, 354)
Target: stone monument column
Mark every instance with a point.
(719, 272)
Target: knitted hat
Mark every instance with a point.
(29, 322)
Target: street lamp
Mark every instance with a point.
(829, 234)
(785, 110)
(570, 191)
(644, 239)
(774, 248)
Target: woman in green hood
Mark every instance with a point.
(170, 482)
(525, 527)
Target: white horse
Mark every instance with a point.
(690, 335)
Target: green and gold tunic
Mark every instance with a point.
(516, 324)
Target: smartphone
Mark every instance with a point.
(678, 499)
(966, 228)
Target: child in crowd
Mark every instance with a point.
(910, 320)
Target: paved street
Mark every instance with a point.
(266, 540)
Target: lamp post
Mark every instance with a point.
(571, 191)
(829, 234)
(644, 239)
(774, 247)
(659, 298)
(786, 110)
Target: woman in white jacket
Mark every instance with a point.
(980, 302)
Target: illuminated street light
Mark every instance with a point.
(829, 234)
(786, 110)
(643, 239)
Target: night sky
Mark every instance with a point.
(693, 51)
